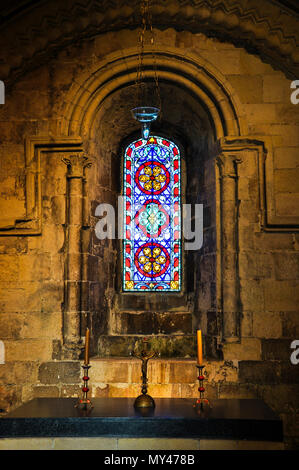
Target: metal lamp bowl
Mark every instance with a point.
(145, 113)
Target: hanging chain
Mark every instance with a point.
(146, 24)
(139, 82)
(152, 40)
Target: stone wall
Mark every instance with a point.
(32, 270)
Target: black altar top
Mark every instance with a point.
(116, 417)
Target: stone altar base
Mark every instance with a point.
(121, 377)
(55, 423)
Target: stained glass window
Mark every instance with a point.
(152, 216)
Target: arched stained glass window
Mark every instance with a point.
(152, 216)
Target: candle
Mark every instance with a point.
(86, 356)
(199, 347)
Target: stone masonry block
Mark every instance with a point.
(45, 391)
(158, 371)
(58, 210)
(286, 180)
(124, 390)
(289, 372)
(276, 349)
(273, 241)
(52, 296)
(59, 372)
(165, 390)
(257, 372)
(249, 88)
(101, 390)
(288, 132)
(10, 396)
(9, 267)
(266, 325)
(237, 390)
(220, 371)
(265, 113)
(12, 245)
(10, 325)
(288, 113)
(228, 63)
(252, 295)
(248, 349)
(73, 390)
(276, 88)
(247, 323)
(287, 393)
(107, 370)
(17, 372)
(255, 266)
(286, 265)
(252, 65)
(28, 350)
(20, 297)
(182, 372)
(286, 157)
(290, 324)
(287, 204)
(281, 295)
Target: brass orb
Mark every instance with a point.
(144, 401)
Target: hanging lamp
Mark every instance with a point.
(143, 113)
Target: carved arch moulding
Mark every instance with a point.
(212, 90)
(265, 28)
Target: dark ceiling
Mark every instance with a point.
(21, 21)
(13, 8)
(291, 5)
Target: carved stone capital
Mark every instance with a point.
(227, 164)
(76, 165)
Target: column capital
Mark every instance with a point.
(227, 163)
(76, 164)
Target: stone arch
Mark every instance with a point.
(87, 104)
(191, 72)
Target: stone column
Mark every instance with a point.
(229, 246)
(73, 263)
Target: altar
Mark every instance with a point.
(114, 423)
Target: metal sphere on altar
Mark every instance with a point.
(144, 401)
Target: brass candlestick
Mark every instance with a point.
(84, 402)
(201, 402)
(144, 400)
